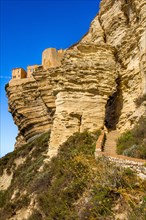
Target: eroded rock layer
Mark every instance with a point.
(85, 81)
(28, 109)
(97, 83)
(124, 25)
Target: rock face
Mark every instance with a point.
(86, 80)
(127, 33)
(96, 83)
(28, 109)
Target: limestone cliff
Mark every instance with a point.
(97, 83)
(30, 113)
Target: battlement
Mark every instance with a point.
(51, 58)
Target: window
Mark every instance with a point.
(14, 76)
(18, 71)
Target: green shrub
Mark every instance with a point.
(73, 185)
(67, 177)
(139, 131)
(100, 204)
(125, 141)
(136, 151)
(39, 145)
(10, 208)
(3, 198)
(23, 176)
(75, 173)
(111, 185)
(133, 143)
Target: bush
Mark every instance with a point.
(76, 186)
(112, 185)
(39, 145)
(73, 185)
(68, 176)
(23, 176)
(136, 151)
(133, 143)
(100, 204)
(3, 198)
(35, 216)
(125, 141)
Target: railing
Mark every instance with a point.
(100, 142)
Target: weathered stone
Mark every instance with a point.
(28, 109)
(96, 82)
(51, 58)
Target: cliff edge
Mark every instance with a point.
(96, 83)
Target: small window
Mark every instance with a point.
(14, 76)
(18, 71)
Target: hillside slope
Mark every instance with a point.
(60, 112)
(72, 186)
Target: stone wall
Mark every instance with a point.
(51, 58)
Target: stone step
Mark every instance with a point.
(110, 144)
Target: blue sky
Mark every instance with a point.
(27, 28)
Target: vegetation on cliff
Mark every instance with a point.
(72, 185)
(133, 142)
(31, 156)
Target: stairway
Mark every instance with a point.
(110, 143)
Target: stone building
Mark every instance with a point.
(19, 73)
(50, 58)
(30, 70)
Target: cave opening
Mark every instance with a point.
(113, 107)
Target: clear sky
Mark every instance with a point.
(27, 28)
